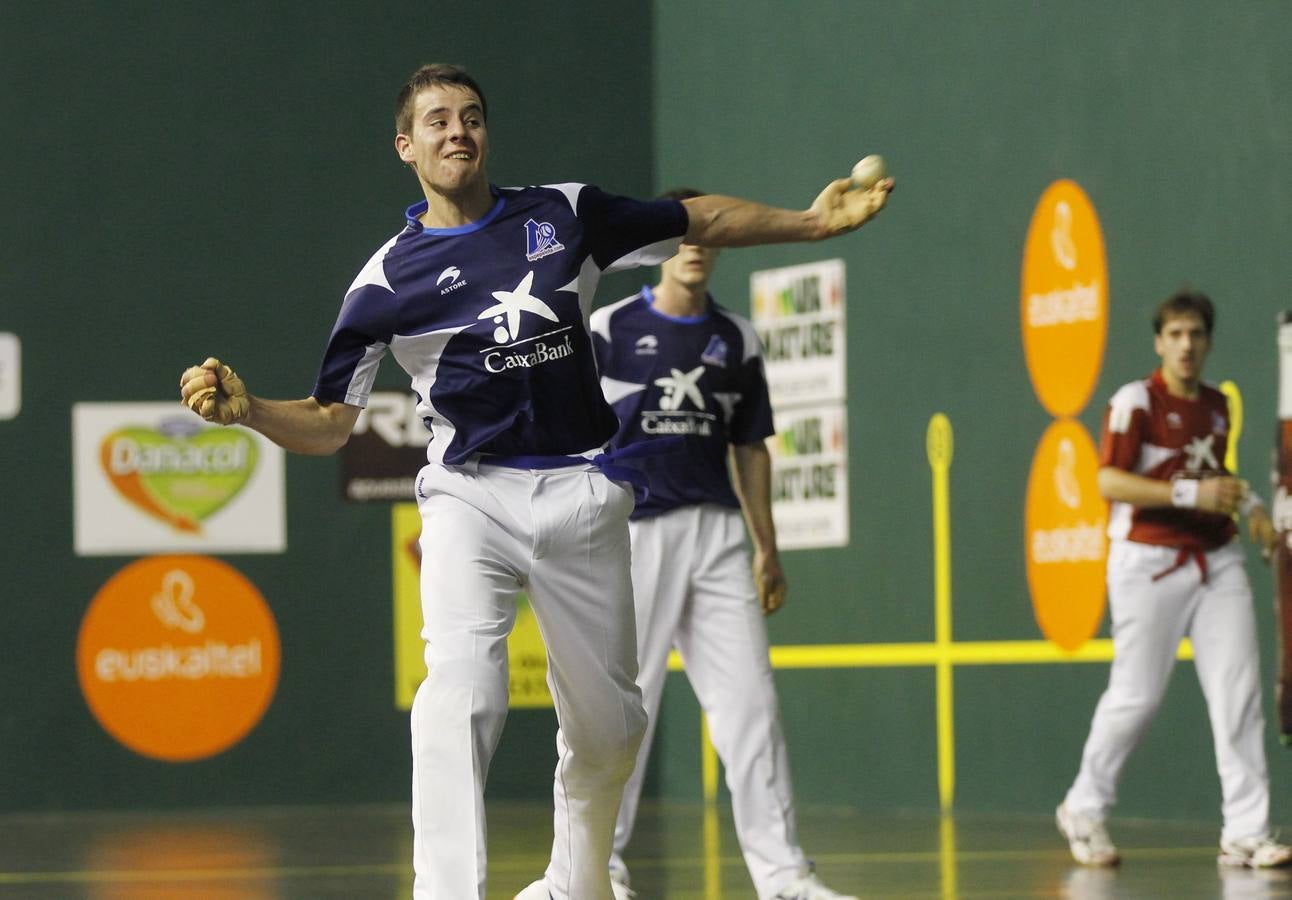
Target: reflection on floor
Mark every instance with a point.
(680, 852)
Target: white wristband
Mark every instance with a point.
(1184, 492)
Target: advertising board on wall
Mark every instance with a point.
(154, 478)
(386, 450)
(798, 312)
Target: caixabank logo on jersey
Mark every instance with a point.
(153, 477)
(514, 351)
(178, 657)
(682, 409)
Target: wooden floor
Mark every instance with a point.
(681, 852)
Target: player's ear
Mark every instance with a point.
(404, 147)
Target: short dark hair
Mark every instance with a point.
(680, 193)
(1184, 302)
(428, 76)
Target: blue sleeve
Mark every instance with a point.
(752, 420)
(358, 341)
(622, 233)
(601, 348)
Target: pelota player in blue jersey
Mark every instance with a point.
(483, 299)
(676, 364)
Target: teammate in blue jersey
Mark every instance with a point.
(483, 299)
(675, 363)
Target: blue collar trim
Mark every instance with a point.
(649, 296)
(418, 209)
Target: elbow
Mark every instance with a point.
(332, 443)
(337, 421)
(320, 443)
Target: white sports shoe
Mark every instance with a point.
(536, 891)
(809, 887)
(1087, 838)
(1254, 853)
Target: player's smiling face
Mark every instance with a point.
(1183, 344)
(449, 141)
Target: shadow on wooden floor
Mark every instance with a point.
(680, 852)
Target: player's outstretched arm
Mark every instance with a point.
(719, 221)
(214, 391)
(1219, 494)
(753, 467)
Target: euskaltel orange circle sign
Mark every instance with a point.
(178, 657)
(1065, 528)
(1064, 298)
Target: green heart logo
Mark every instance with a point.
(179, 478)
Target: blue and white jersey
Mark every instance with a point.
(698, 377)
(490, 319)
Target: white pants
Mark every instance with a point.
(561, 534)
(693, 590)
(1149, 618)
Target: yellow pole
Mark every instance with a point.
(939, 443)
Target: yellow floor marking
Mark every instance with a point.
(948, 857)
(712, 831)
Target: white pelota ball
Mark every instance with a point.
(868, 171)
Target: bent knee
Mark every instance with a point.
(612, 749)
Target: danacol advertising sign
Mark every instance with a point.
(154, 478)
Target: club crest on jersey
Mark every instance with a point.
(451, 275)
(647, 345)
(716, 353)
(540, 240)
(1173, 420)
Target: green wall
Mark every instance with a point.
(1174, 119)
(185, 180)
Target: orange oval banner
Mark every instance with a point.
(1064, 299)
(178, 657)
(1065, 527)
